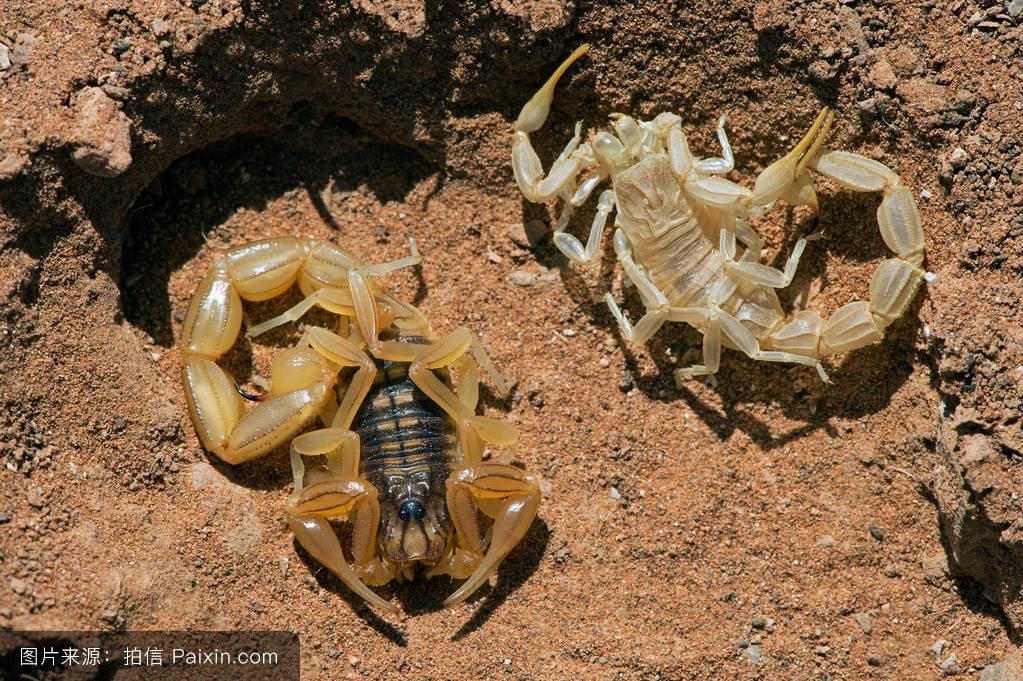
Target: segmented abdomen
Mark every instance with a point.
(682, 263)
(407, 439)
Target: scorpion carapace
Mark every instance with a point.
(402, 453)
(681, 238)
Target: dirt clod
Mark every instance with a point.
(102, 134)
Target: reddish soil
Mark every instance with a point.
(759, 525)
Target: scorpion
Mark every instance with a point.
(682, 241)
(402, 453)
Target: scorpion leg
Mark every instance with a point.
(658, 310)
(324, 278)
(343, 352)
(756, 273)
(570, 246)
(340, 493)
(451, 350)
(714, 165)
(508, 495)
(718, 323)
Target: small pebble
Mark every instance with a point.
(950, 667)
(874, 660)
(18, 586)
(116, 92)
(102, 134)
(863, 619)
(160, 28)
(758, 622)
(527, 234)
(958, 158)
(753, 653)
(827, 542)
(615, 494)
(521, 278)
(882, 75)
(875, 531)
(12, 165)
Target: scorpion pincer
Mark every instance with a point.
(402, 453)
(678, 225)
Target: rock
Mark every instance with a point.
(1017, 171)
(882, 76)
(102, 134)
(827, 542)
(528, 234)
(1009, 669)
(23, 46)
(521, 278)
(958, 158)
(821, 71)
(160, 28)
(753, 654)
(11, 166)
(232, 509)
(863, 620)
(922, 96)
(45, 621)
(964, 101)
(18, 585)
(981, 514)
(950, 667)
(116, 92)
(875, 531)
(868, 106)
(1013, 7)
(935, 569)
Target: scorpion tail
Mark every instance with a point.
(895, 281)
(534, 113)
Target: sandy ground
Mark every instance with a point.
(758, 525)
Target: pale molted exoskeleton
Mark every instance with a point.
(682, 240)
